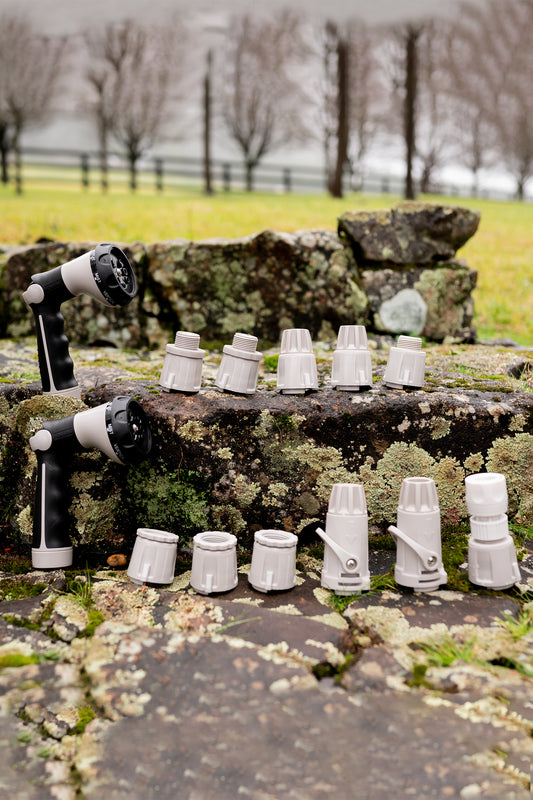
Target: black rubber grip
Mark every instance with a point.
(50, 513)
(55, 363)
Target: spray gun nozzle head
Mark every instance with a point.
(113, 274)
(128, 429)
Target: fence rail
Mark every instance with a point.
(165, 173)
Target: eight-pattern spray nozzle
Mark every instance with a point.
(119, 429)
(103, 273)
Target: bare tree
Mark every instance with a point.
(366, 91)
(434, 101)
(473, 88)
(491, 63)
(401, 49)
(513, 110)
(261, 96)
(337, 106)
(30, 67)
(411, 37)
(133, 71)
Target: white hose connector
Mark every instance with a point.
(345, 569)
(351, 368)
(417, 535)
(214, 562)
(297, 373)
(492, 558)
(273, 565)
(153, 559)
(182, 367)
(239, 367)
(406, 364)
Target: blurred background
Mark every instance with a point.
(396, 96)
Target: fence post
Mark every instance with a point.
(385, 186)
(226, 177)
(287, 180)
(84, 163)
(159, 174)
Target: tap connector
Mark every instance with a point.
(239, 367)
(297, 372)
(153, 559)
(214, 562)
(351, 368)
(345, 569)
(182, 367)
(273, 565)
(492, 558)
(417, 534)
(406, 364)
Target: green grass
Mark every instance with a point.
(501, 251)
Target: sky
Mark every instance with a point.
(68, 16)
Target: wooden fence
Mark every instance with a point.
(165, 173)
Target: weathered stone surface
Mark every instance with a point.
(259, 284)
(178, 695)
(267, 282)
(411, 233)
(239, 724)
(444, 293)
(267, 460)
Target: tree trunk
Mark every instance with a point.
(103, 158)
(250, 176)
(411, 42)
(4, 153)
(335, 187)
(207, 109)
(18, 162)
(132, 158)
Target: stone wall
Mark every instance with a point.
(392, 271)
(240, 463)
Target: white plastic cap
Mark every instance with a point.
(347, 499)
(239, 367)
(214, 562)
(153, 559)
(418, 496)
(486, 494)
(406, 364)
(296, 340)
(351, 368)
(493, 565)
(273, 566)
(182, 367)
(352, 337)
(297, 371)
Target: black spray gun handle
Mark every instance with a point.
(119, 429)
(104, 273)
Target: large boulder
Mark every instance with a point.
(258, 284)
(410, 233)
(393, 271)
(227, 462)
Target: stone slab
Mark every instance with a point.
(223, 722)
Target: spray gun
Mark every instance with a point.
(104, 273)
(119, 429)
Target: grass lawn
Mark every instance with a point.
(501, 250)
